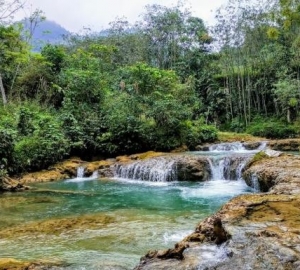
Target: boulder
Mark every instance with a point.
(276, 174)
(193, 168)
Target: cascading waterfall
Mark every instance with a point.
(158, 169)
(233, 157)
(224, 161)
(228, 167)
(235, 146)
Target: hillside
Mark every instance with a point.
(46, 32)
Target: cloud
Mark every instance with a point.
(96, 14)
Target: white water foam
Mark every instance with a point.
(170, 238)
(216, 188)
(228, 147)
(211, 255)
(145, 183)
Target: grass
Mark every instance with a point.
(234, 137)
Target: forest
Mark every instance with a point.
(158, 84)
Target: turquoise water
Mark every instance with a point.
(139, 216)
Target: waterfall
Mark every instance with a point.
(158, 169)
(254, 183)
(95, 175)
(80, 176)
(224, 161)
(227, 167)
(80, 172)
(235, 146)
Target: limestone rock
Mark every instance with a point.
(285, 145)
(9, 184)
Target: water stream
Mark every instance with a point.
(120, 219)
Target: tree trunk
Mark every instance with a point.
(2, 91)
(288, 115)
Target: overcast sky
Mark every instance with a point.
(96, 14)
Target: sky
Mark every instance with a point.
(74, 15)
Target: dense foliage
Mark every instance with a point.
(155, 85)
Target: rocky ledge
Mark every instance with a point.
(12, 264)
(11, 185)
(188, 167)
(257, 231)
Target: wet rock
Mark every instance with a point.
(255, 231)
(251, 145)
(204, 147)
(277, 175)
(219, 232)
(103, 167)
(172, 253)
(192, 168)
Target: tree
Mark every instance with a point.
(8, 9)
(171, 33)
(13, 52)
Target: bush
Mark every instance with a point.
(197, 133)
(44, 147)
(272, 130)
(6, 150)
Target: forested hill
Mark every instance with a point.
(45, 32)
(155, 85)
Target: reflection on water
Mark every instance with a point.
(124, 219)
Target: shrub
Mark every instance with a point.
(197, 133)
(6, 150)
(272, 130)
(44, 147)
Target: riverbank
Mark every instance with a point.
(68, 168)
(246, 220)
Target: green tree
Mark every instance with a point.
(13, 52)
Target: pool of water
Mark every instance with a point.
(119, 220)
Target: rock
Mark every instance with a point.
(285, 145)
(103, 167)
(255, 231)
(272, 153)
(251, 145)
(193, 168)
(60, 171)
(277, 175)
(9, 184)
(219, 232)
(204, 147)
(12, 264)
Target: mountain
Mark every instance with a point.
(45, 32)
